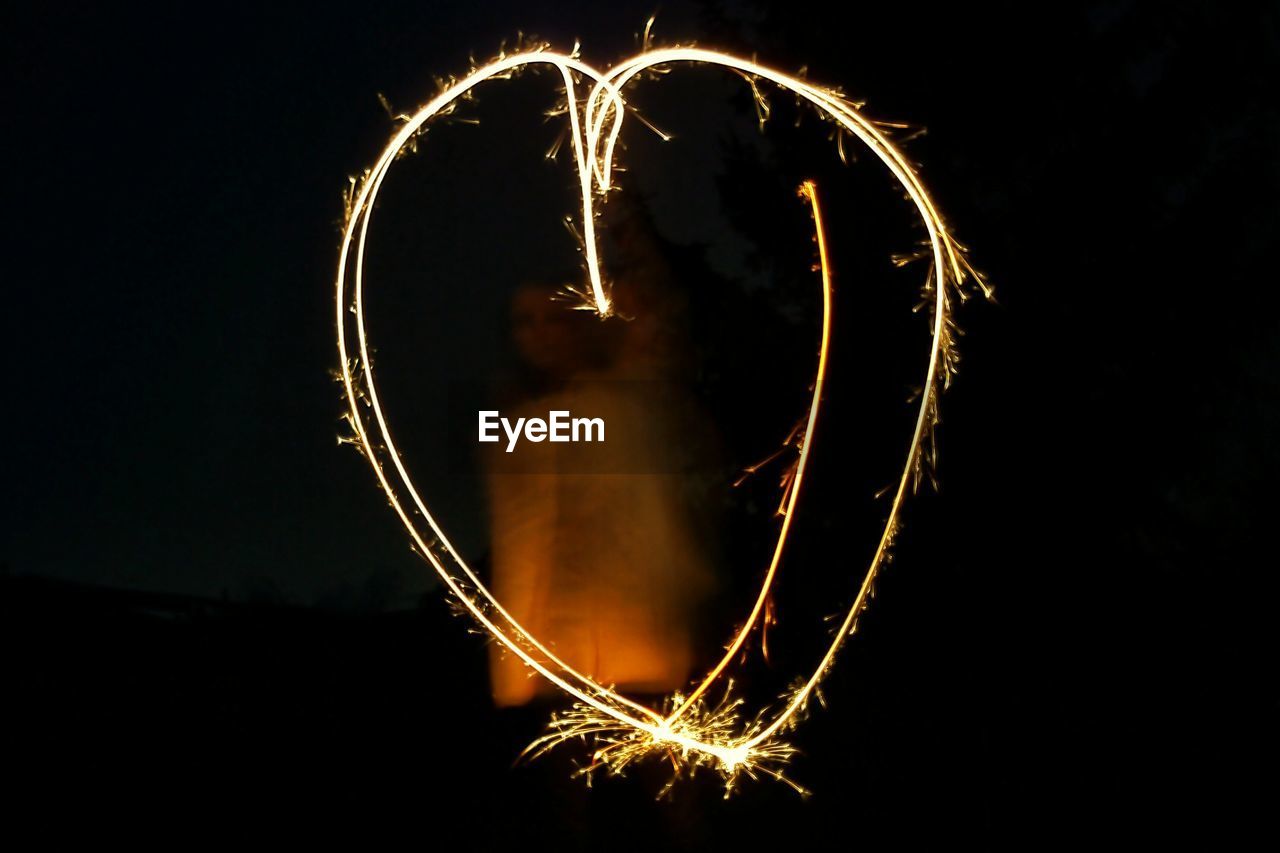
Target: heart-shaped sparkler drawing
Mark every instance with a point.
(691, 731)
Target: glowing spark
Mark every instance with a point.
(689, 732)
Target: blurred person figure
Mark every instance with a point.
(605, 558)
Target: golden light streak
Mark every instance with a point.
(809, 191)
(687, 730)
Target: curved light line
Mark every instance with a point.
(810, 191)
(363, 208)
(941, 244)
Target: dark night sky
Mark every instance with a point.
(185, 185)
(1091, 583)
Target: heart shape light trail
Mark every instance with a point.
(688, 730)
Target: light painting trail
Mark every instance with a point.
(688, 730)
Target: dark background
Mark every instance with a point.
(206, 601)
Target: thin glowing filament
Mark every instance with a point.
(810, 191)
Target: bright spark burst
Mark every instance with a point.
(687, 731)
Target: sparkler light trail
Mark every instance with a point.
(688, 730)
